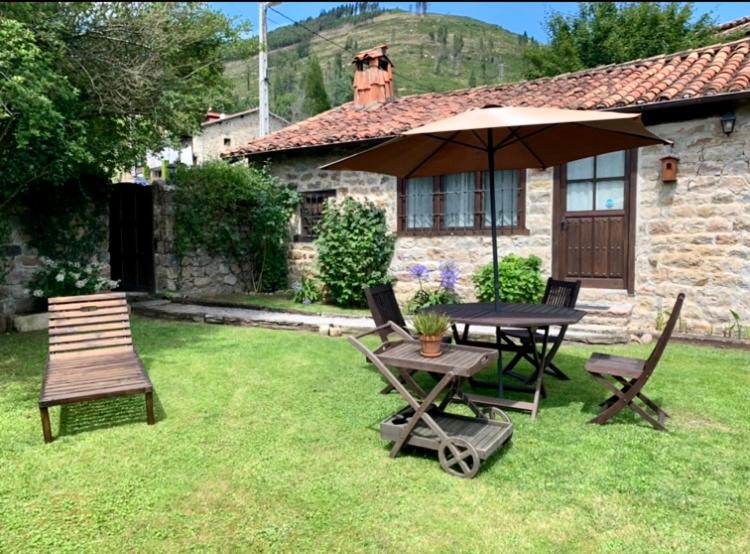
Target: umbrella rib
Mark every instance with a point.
(507, 141)
(480, 139)
(430, 155)
(461, 143)
(636, 135)
(526, 146)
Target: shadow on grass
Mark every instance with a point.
(103, 414)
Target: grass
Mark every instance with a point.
(282, 301)
(268, 441)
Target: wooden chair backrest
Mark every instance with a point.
(666, 334)
(383, 306)
(90, 324)
(563, 294)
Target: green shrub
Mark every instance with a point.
(354, 250)
(520, 280)
(239, 212)
(307, 291)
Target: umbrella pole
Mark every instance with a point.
(493, 214)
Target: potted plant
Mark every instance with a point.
(431, 326)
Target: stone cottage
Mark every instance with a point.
(635, 227)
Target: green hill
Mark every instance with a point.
(430, 53)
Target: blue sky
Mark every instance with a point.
(514, 16)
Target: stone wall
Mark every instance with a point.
(194, 274)
(241, 129)
(19, 262)
(469, 252)
(692, 236)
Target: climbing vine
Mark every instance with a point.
(239, 212)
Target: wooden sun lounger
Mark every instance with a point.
(91, 354)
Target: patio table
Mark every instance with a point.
(535, 318)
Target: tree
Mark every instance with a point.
(611, 32)
(422, 7)
(316, 98)
(90, 87)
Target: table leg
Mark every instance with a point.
(421, 412)
(541, 359)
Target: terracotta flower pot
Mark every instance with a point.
(431, 346)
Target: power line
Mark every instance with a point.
(343, 48)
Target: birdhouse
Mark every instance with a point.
(669, 169)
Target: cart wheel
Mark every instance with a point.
(458, 458)
(497, 413)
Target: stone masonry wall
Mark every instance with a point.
(209, 144)
(194, 274)
(469, 252)
(21, 262)
(692, 236)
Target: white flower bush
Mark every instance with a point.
(62, 278)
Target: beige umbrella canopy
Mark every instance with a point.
(493, 138)
(521, 138)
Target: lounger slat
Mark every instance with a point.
(72, 306)
(89, 344)
(91, 354)
(86, 298)
(76, 314)
(81, 337)
(84, 329)
(55, 324)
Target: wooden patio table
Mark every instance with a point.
(535, 318)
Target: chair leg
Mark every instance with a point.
(626, 398)
(46, 427)
(555, 371)
(150, 408)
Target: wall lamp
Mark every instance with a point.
(727, 122)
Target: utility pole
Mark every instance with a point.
(263, 68)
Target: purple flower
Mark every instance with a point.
(307, 301)
(419, 271)
(448, 275)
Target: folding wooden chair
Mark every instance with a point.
(384, 308)
(630, 375)
(559, 293)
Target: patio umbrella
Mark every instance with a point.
(493, 137)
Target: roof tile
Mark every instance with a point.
(717, 69)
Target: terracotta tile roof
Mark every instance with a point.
(712, 70)
(736, 25)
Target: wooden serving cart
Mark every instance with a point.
(462, 442)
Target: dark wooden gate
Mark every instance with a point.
(593, 221)
(131, 237)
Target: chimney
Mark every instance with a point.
(212, 116)
(373, 78)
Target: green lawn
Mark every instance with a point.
(281, 301)
(268, 440)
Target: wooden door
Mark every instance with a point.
(593, 225)
(131, 237)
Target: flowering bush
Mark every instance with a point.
(445, 293)
(307, 291)
(61, 278)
